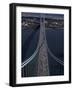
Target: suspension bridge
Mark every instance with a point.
(41, 52)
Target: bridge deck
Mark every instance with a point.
(43, 68)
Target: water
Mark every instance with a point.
(29, 43)
(55, 41)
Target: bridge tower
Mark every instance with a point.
(43, 67)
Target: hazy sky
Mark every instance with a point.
(59, 16)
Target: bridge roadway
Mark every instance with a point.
(43, 66)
